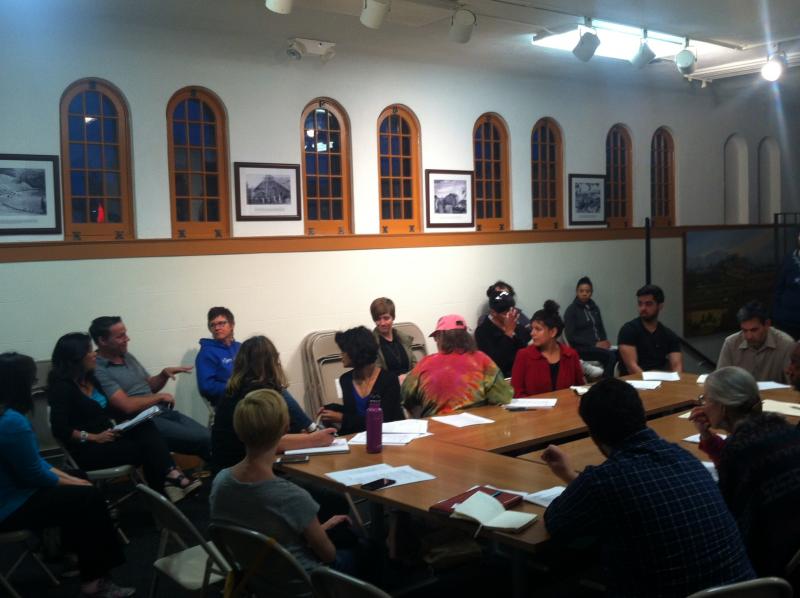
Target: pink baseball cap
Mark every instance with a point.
(450, 322)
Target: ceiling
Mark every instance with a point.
(416, 30)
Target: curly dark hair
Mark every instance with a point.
(612, 411)
(359, 344)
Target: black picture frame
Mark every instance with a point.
(457, 208)
(30, 195)
(266, 191)
(587, 199)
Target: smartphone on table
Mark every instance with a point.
(293, 459)
(377, 484)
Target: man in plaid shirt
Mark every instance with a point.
(664, 526)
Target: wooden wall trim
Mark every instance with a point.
(59, 251)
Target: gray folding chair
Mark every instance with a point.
(261, 566)
(328, 583)
(23, 537)
(763, 587)
(195, 568)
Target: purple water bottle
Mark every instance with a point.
(374, 425)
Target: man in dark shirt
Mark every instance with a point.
(645, 343)
(665, 529)
(502, 334)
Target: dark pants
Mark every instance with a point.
(141, 445)
(606, 357)
(184, 435)
(86, 528)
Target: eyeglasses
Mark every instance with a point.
(218, 324)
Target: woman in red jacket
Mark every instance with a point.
(546, 365)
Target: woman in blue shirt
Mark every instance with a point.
(34, 495)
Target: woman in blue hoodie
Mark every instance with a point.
(214, 362)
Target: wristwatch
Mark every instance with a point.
(84, 436)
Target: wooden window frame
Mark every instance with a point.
(201, 230)
(493, 224)
(403, 225)
(345, 225)
(662, 178)
(89, 231)
(615, 166)
(548, 222)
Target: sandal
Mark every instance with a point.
(180, 487)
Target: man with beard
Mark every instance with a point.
(646, 344)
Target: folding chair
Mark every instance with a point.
(22, 536)
(763, 587)
(328, 583)
(261, 566)
(195, 568)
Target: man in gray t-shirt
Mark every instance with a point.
(130, 389)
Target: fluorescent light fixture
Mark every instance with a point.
(616, 40)
(282, 7)
(774, 67)
(643, 56)
(461, 25)
(374, 13)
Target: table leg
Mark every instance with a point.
(519, 573)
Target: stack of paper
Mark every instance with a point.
(339, 446)
(462, 420)
(543, 498)
(644, 384)
(531, 404)
(781, 407)
(405, 474)
(398, 433)
(662, 376)
(701, 379)
(148, 413)
(771, 385)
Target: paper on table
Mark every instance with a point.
(462, 420)
(695, 438)
(711, 469)
(406, 426)
(148, 413)
(701, 379)
(390, 439)
(781, 407)
(404, 474)
(685, 415)
(644, 384)
(663, 376)
(543, 498)
(769, 385)
(580, 390)
(531, 404)
(339, 445)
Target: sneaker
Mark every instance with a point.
(591, 371)
(108, 589)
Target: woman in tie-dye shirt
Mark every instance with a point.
(457, 377)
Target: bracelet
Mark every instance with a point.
(84, 436)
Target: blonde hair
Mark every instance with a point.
(261, 418)
(257, 363)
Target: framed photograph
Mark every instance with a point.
(587, 199)
(30, 195)
(449, 198)
(267, 191)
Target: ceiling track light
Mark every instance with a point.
(587, 44)
(685, 60)
(282, 7)
(644, 55)
(374, 13)
(774, 67)
(462, 22)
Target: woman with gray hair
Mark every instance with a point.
(758, 465)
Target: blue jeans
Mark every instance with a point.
(183, 434)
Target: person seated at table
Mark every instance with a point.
(395, 354)
(501, 334)
(758, 465)
(258, 365)
(546, 365)
(457, 377)
(493, 290)
(34, 495)
(364, 382)
(250, 495)
(80, 420)
(584, 329)
(663, 524)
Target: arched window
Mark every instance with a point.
(326, 168)
(619, 189)
(398, 170)
(490, 155)
(547, 190)
(198, 165)
(662, 178)
(95, 155)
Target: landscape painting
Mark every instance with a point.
(723, 270)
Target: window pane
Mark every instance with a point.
(76, 128)
(498, 190)
(489, 191)
(311, 186)
(385, 189)
(180, 159)
(489, 210)
(76, 155)
(78, 183)
(333, 123)
(182, 210)
(112, 184)
(78, 210)
(479, 209)
(321, 118)
(311, 164)
(478, 150)
(324, 187)
(110, 130)
(394, 126)
(498, 209)
(336, 165)
(395, 187)
(312, 209)
(197, 186)
(405, 127)
(94, 155)
(395, 145)
(208, 113)
(336, 187)
(535, 153)
(92, 103)
(397, 210)
(384, 143)
(93, 130)
(196, 159)
(212, 208)
(406, 187)
(180, 111)
(386, 209)
(76, 105)
(406, 146)
(179, 133)
(407, 167)
(181, 184)
(97, 212)
(384, 128)
(324, 210)
(194, 134)
(479, 190)
(108, 107)
(408, 209)
(198, 210)
(111, 161)
(212, 187)
(194, 113)
(337, 209)
(113, 210)
(210, 135)
(322, 159)
(396, 167)
(334, 145)
(95, 183)
(211, 161)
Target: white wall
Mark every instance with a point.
(164, 301)
(264, 98)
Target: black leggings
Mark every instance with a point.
(141, 445)
(86, 528)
